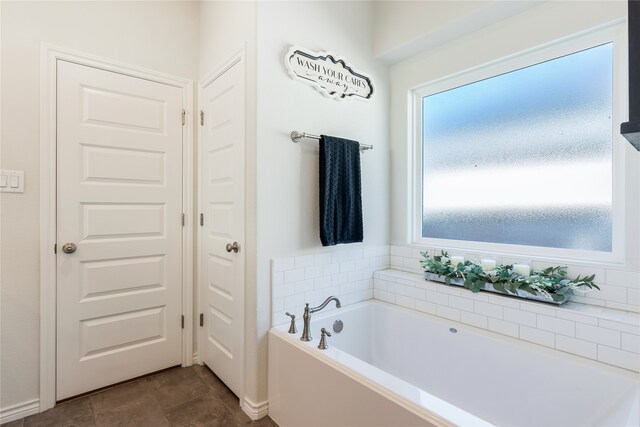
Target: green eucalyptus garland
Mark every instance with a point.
(552, 282)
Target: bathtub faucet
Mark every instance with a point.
(306, 317)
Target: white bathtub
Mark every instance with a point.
(391, 366)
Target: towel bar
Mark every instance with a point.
(297, 136)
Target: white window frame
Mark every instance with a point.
(612, 33)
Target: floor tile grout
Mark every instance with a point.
(155, 398)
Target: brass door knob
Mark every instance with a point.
(69, 248)
(235, 247)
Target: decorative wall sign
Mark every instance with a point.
(328, 73)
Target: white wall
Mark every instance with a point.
(406, 28)
(161, 36)
(288, 172)
(542, 24)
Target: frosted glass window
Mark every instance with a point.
(524, 157)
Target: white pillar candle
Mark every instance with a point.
(488, 264)
(522, 269)
(455, 260)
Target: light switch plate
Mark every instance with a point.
(11, 181)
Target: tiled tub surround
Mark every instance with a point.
(603, 326)
(618, 289)
(607, 335)
(345, 272)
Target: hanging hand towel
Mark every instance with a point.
(340, 191)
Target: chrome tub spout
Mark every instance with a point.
(306, 317)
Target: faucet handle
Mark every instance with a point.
(292, 326)
(323, 340)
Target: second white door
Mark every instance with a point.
(222, 192)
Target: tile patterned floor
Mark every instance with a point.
(191, 396)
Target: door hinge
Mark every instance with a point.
(182, 321)
(201, 319)
(55, 248)
(201, 220)
(184, 117)
(201, 118)
(183, 219)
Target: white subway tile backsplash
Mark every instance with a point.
(620, 306)
(519, 316)
(346, 273)
(355, 254)
(598, 335)
(313, 297)
(426, 307)
(283, 290)
(536, 307)
(631, 342)
(340, 256)
(384, 296)
(504, 301)
(537, 336)
(450, 290)
(574, 328)
(397, 288)
(322, 259)
(461, 303)
(629, 279)
(624, 359)
(363, 263)
(277, 304)
(282, 264)
(579, 347)
(571, 315)
(405, 301)
(437, 297)
(603, 326)
(609, 293)
(354, 276)
(347, 266)
(278, 278)
(330, 269)
(558, 326)
(296, 300)
(396, 261)
(339, 279)
(313, 272)
(294, 275)
(304, 261)
(486, 309)
(503, 327)
(448, 312)
(402, 251)
(416, 293)
(303, 286)
(473, 319)
(587, 300)
(618, 326)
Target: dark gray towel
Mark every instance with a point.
(340, 191)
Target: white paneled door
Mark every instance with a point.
(119, 227)
(221, 256)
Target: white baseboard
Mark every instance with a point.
(255, 411)
(20, 410)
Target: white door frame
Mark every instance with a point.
(48, 184)
(239, 56)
